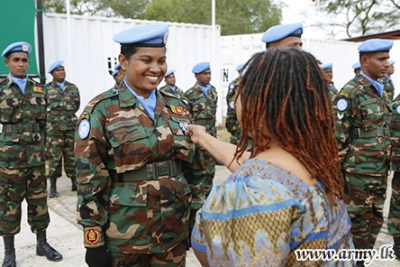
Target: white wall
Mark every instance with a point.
(88, 64)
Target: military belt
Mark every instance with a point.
(361, 133)
(19, 128)
(62, 112)
(205, 122)
(151, 171)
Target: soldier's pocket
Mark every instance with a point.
(183, 199)
(129, 142)
(371, 113)
(9, 103)
(128, 211)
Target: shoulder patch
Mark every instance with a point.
(398, 109)
(84, 128)
(342, 104)
(177, 109)
(344, 94)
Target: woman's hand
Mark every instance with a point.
(195, 132)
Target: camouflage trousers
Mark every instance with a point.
(364, 198)
(59, 146)
(209, 164)
(173, 258)
(17, 185)
(235, 136)
(394, 211)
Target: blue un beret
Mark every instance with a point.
(56, 65)
(279, 32)
(155, 34)
(200, 67)
(375, 45)
(326, 66)
(17, 47)
(239, 67)
(116, 69)
(356, 65)
(169, 72)
(391, 61)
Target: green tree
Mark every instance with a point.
(359, 17)
(234, 16)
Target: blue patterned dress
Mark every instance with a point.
(262, 213)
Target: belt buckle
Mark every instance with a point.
(358, 132)
(1, 127)
(162, 169)
(379, 131)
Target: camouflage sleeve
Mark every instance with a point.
(194, 173)
(395, 135)
(186, 96)
(78, 100)
(231, 120)
(94, 180)
(345, 109)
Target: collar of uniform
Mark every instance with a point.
(126, 98)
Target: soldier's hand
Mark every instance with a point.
(98, 257)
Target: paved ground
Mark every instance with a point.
(65, 235)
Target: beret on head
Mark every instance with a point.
(326, 66)
(356, 65)
(169, 72)
(17, 47)
(240, 67)
(375, 45)
(280, 32)
(56, 65)
(152, 35)
(200, 67)
(391, 61)
(116, 69)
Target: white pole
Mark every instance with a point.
(68, 7)
(213, 30)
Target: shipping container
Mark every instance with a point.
(90, 53)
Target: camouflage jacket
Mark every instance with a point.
(389, 88)
(362, 128)
(121, 138)
(395, 134)
(62, 105)
(203, 109)
(231, 123)
(178, 91)
(333, 92)
(22, 147)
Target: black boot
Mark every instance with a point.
(396, 247)
(53, 187)
(9, 252)
(44, 249)
(74, 184)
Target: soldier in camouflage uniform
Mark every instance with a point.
(22, 169)
(63, 101)
(283, 36)
(327, 70)
(394, 211)
(232, 123)
(118, 74)
(363, 120)
(387, 80)
(356, 68)
(140, 175)
(202, 100)
(170, 84)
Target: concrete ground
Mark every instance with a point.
(66, 236)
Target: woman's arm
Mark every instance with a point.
(221, 151)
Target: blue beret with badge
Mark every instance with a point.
(200, 67)
(240, 67)
(391, 61)
(375, 45)
(56, 65)
(169, 72)
(326, 66)
(356, 65)
(17, 47)
(116, 69)
(151, 35)
(280, 32)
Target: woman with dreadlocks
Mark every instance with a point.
(285, 195)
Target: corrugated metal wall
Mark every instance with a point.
(94, 52)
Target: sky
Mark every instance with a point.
(306, 11)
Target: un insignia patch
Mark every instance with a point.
(398, 109)
(84, 129)
(341, 105)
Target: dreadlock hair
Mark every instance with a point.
(285, 97)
